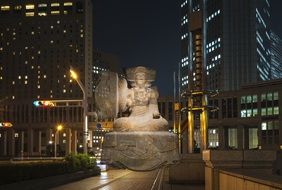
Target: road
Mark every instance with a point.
(125, 180)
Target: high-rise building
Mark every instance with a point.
(234, 39)
(102, 62)
(276, 56)
(39, 41)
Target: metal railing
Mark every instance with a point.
(158, 182)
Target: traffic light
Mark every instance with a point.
(5, 124)
(43, 103)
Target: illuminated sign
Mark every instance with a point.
(43, 103)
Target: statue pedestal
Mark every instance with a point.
(140, 150)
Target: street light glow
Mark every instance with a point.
(73, 74)
(6, 124)
(59, 127)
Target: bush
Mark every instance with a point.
(10, 173)
(73, 162)
(84, 161)
(80, 161)
(25, 171)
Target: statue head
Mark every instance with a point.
(140, 76)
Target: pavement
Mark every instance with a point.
(125, 180)
(113, 179)
(105, 179)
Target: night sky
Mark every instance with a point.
(147, 33)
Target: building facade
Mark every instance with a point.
(249, 118)
(103, 62)
(276, 56)
(166, 109)
(39, 41)
(235, 42)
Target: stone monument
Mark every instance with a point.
(140, 140)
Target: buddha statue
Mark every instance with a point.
(140, 100)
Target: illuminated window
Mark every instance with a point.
(68, 4)
(253, 138)
(249, 113)
(263, 126)
(5, 8)
(213, 138)
(55, 4)
(232, 138)
(29, 7)
(269, 111)
(243, 113)
(255, 112)
(275, 96)
(276, 110)
(269, 96)
(255, 98)
(29, 14)
(55, 12)
(42, 5)
(263, 111)
(42, 14)
(249, 99)
(263, 97)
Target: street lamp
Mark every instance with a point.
(58, 129)
(75, 76)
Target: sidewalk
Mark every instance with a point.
(47, 182)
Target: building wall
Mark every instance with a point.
(236, 42)
(103, 62)
(38, 46)
(249, 118)
(166, 109)
(276, 56)
(39, 41)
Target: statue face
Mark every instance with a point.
(140, 79)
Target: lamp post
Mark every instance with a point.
(75, 76)
(58, 129)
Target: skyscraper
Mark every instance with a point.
(103, 62)
(276, 56)
(235, 41)
(39, 41)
